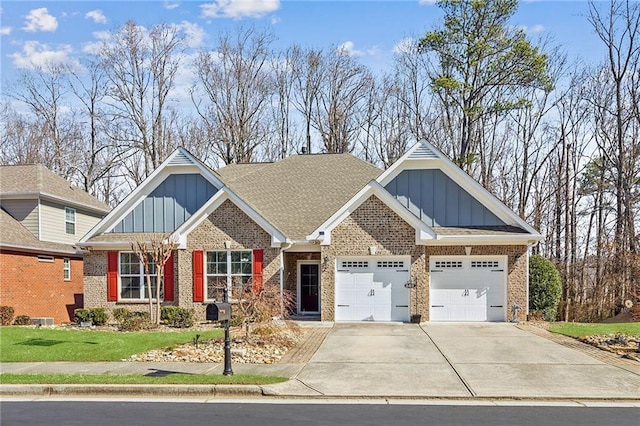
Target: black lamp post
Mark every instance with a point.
(227, 343)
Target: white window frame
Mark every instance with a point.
(67, 221)
(66, 269)
(142, 277)
(228, 275)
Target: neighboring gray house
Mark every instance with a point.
(350, 241)
(42, 217)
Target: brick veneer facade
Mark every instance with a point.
(37, 288)
(226, 223)
(374, 224)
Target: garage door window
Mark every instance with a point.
(354, 264)
(448, 264)
(390, 264)
(485, 264)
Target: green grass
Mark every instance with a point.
(134, 379)
(23, 344)
(575, 329)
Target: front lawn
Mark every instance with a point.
(23, 344)
(137, 379)
(575, 329)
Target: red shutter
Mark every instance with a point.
(258, 255)
(168, 279)
(112, 276)
(198, 276)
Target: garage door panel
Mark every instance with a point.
(469, 289)
(372, 290)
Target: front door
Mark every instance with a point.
(309, 290)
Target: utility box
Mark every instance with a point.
(218, 312)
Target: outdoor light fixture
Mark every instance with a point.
(326, 260)
(467, 250)
(227, 245)
(372, 250)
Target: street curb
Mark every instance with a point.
(236, 391)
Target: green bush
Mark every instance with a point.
(96, 316)
(545, 287)
(120, 314)
(136, 321)
(22, 320)
(176, 316)
(81, 315)
(6, 315)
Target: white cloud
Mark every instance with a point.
(171, 6)
(36, 55)
(97, 16)
(194, 33)
(5, 30)
(427, 2)
(537, 29)
(406, 45)
(349, 49)
(40, 20)
(239, 8)
(93, 47)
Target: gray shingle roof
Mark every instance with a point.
(14, 235)
(37, 179)
(299, 193)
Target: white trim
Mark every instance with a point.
(65, 261)
(298, 286)
(68, 221)
(323, 232)
(158, 176)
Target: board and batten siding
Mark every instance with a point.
(169, 205)
(439, 201)
(52, 220)
(25, 212)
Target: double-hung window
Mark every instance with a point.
(66, 268)
(70, 220)
(133, 281)
(228, 269)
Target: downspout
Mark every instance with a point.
(282, 249)
(529, 246)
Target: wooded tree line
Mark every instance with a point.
(555, 139)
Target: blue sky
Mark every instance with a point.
(35, 31)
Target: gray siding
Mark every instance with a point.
(25, 212)
(53, 222)
(169, 205)
(439, 201)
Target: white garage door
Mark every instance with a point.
(467, 288)
(372, 289)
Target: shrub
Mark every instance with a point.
(120, 314)
(260, 305)
(6, 315)
(545, 287)
(22, 320)
(136, 321)
(176, 316)
(96, 316)
(81, 315)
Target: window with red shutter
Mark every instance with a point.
(112, 276)
(168, 279)
(258, 255)
(198, 276)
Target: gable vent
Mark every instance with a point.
(423, 152)
(181, 159)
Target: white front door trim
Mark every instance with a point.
(299, 286)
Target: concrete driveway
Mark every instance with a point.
(454, 360)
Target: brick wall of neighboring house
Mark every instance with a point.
(373, 224)
(516, 274)
(227, 223)
(37, 288)
(291, 272)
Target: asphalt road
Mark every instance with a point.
(267, 414)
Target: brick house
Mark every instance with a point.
(41, 218)
(421, 241)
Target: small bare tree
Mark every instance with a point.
(154, 254)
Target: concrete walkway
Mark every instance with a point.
(367, 360)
